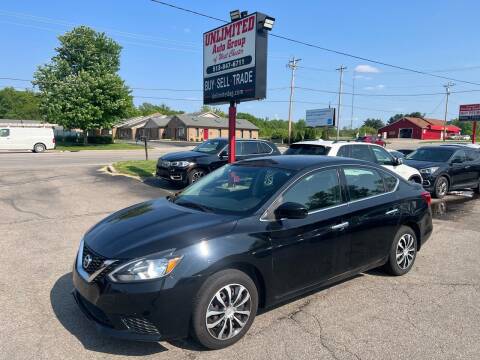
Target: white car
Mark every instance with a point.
(37, 139)
(357, 150)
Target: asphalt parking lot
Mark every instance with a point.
(47, 201)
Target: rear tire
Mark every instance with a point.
(230, 315)
(403, 252)
(39, 148)
(441, 187)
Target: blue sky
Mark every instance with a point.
(162, 48)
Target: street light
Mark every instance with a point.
(235, 15)
(268, 23)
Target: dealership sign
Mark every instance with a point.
(320, 117)
(469, 112)
(235, 61)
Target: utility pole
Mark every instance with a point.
(292, 64)
(341, 69)
(447, 92)
(353, 97)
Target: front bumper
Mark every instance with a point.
(172, 174)
(428, 182)
(148, 311)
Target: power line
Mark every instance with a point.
(289, 39)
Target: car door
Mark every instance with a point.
(374, 213)
(458, 170)
(472, 167)
(310, 250)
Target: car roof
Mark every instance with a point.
(440, 147)
(226, 139)
(300, 162)
(332, 143)
(460, 146)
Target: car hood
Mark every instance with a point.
(184, 155)
(417, 164)
(152, 227)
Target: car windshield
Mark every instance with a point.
(211, 146)
(234, 189)
(431, 154)
(307, 149)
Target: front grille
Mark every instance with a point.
(140, 325)
(96, 262)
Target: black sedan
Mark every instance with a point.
(446, 168)
(186, 167)
(249, 235)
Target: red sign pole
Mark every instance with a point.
(232, 120)
(474, 132)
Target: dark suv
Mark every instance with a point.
(189, 166)
(446, 168)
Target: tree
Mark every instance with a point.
(149, 109)
(217, 111)
(397, 117)
(80, 87)
(16, 104)
(373, 123)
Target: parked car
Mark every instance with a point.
(188, 166)
(396, 153)
(469, 145)
(36, 139)
(458, 137)
(372, 140)
(250, 235)
(356, 150)
(406, 151)
(446, 168)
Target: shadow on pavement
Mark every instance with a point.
(163, 184)
(78, 325)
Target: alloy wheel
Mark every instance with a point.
(197, 175)
(442, 187)
(228, 312)
(405, 251)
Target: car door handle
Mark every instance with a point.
(391, 212)
(340, 226)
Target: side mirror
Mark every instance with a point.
(397, 161)
(291, 210)
(223, 154)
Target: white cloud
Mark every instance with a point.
(376, 87)
(364, 68)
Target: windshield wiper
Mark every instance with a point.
(193, 205)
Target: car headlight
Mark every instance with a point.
(429, 170)
(180, 163)
(144, 269)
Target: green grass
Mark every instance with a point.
(141, 168)
(80, 147)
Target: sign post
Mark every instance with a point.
(235, 65)
(470, 112)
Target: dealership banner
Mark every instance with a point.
(234, 61)
(320, 117)
(469, 112)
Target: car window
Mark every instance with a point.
(382, 156)
(250, 147)
(433, 154)
(307, 149)
(238, 148)
(211, 146)
(361, 152)
(472, 155)
(343, 151)
(390, 181)
(362, 182)
(316, 191)
(264, 148)
(4, 132)
(459, 156)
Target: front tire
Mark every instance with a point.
(39, 148)
(195, 175)
(441, 187)
(403, 252)
(224, 309)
